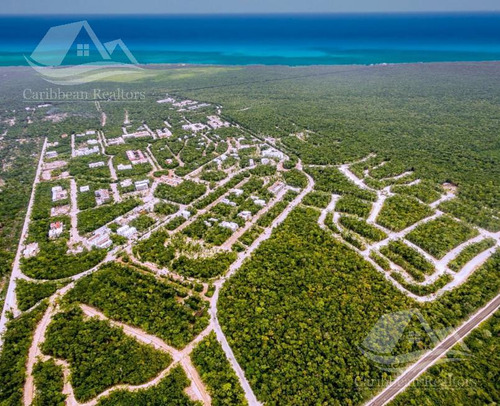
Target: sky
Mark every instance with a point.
(83, 7)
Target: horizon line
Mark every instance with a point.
(294, 13)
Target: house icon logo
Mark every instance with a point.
(71, 54)
(395, 341)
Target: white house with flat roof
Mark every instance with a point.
(229, 224)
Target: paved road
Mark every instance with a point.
(434, 355)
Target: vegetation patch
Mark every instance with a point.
(362, 228)
(92, 219)
(185, 193)
(217, 373)
(204, 268)
(469, 252)
(14, 355)
(423, 290)
(170, 391)
(441, 235)
(407, 258)
(331, 180)
(353, 205)
(52, 262)
(317, 199)
(49, 383)
(400, 212)
(297, 286)
(473, 372)
(30, 293)
(141, 300)
(100, 356)
(423, 191)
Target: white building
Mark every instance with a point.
(273, 153)
(87, 151)
(164, 133)
(102, 196)
(126, 183)
(58, 193)
(84, 188)
(90, 132)
(277, 188)
(56, 229)
(96, 164)
(245, 215)
(260, 202)
(185, 213)
(126, 231)
(142, 185)
(51, 154)
(228, 202)
(229, 224)
(101, 239)
(115, 141)
(122, 167)
(237, 192)
(31, 250)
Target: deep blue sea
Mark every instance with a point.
(274, 39)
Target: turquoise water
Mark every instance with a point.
(271, 39)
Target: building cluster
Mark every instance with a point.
(194, 127)
(87, 151)
(216, 122)
(115, 141)
(164, 133)
(136, 157)
(126, 231)
(101, 238)
(171, 179)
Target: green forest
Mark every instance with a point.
(141, 300)
(100, 356)
(319, 303)
(470, 377)
(216, 372)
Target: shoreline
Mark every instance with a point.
(257, 65)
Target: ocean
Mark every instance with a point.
(274, 39)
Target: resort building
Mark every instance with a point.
(87, 151)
